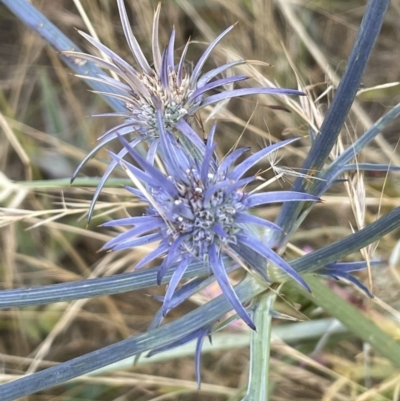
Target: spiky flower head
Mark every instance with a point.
(199, 210)
(168, 86)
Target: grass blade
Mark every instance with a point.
(353, 319)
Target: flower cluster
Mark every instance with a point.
(199, 208)
(172, 88)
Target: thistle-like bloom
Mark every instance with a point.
(199, 210)
(143, 90)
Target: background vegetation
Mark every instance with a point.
(46, 131)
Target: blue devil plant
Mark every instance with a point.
(200, 210)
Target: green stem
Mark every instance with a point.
(260, 345)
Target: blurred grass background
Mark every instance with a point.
(46, 130)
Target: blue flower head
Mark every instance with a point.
(199, 210)
(172, 87)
